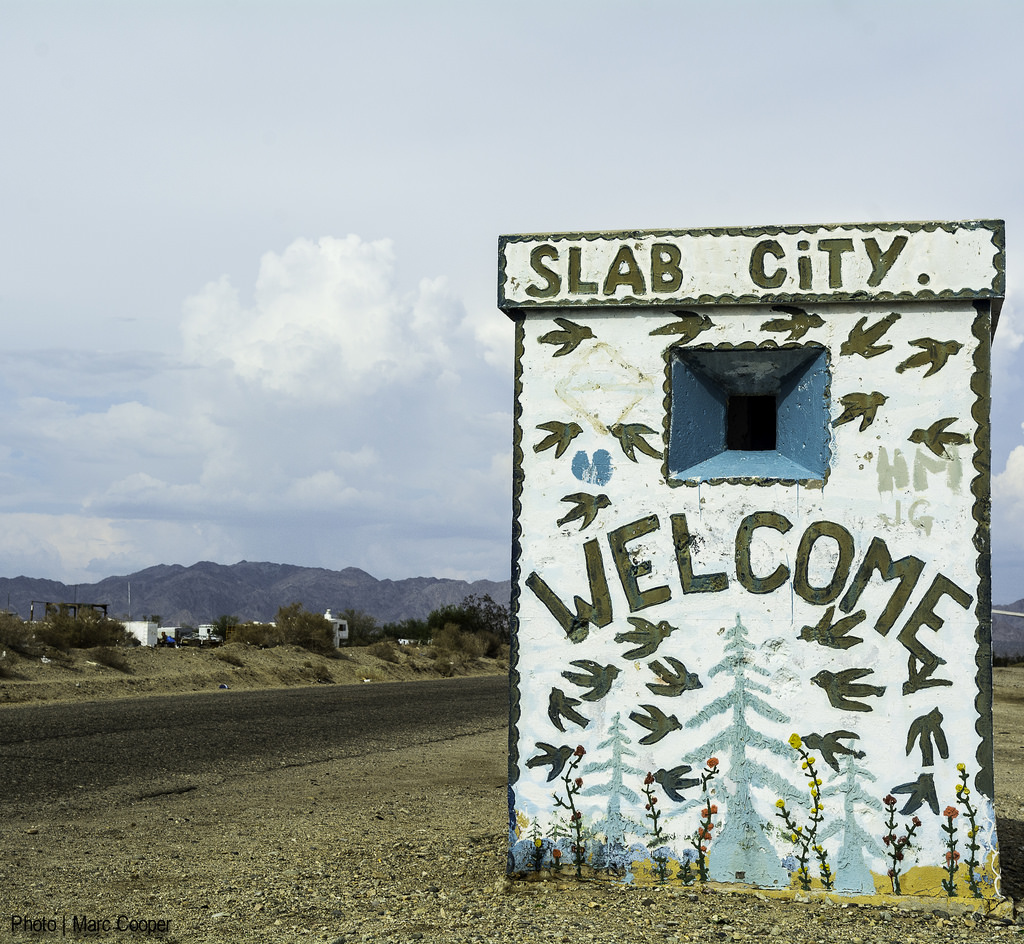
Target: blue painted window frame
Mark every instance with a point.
(701, 384)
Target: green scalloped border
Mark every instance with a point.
(514, 711)
(759, 481)
(981, 488)
(997, 290)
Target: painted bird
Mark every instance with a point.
(656, 721)
(675, 780)
(833, 635)
(569, 337)
(862, 340)
(690, 325)
(561, 435)
(674, 681)
(649, 636)
(863, 405)
(919, 791)
(935, 355)
(555, 756)
(587, 507)
(631, 437)
(561, 706)
(828, 746)
(797, 324)
(842, 688)
(598, 678)
(936, 438)
(928, 729)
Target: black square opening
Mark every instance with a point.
(750, 423)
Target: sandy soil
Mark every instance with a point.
(407, 847)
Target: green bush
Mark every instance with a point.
(262, 635)
(299, 627)
(15, 634)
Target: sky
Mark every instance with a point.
(248, 250)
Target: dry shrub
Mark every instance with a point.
(112, 658)
(450, 639)
(230, 657)
(263, 635)
(15, 635)
(384, 650)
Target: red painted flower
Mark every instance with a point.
(649, 779)
(916, 821)
(580, 751)
(556, 853)
(889, 800)
(712, 761)
(951, 812)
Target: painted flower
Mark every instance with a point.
(781, 804)
(538, 842)
(954, 855)
(649, 779)
(556, 854)
(795, 742)
(713, 808)
(579, 782)
(951, 812)
(889, 800)
(961, 767)
(580, 750)
(916, 821)
(712, 762)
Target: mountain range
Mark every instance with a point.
(251, 591)
(254, 591)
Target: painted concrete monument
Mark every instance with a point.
(751, 556)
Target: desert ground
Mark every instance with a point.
(406, 845)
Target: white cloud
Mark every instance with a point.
(327, 323)
(335, 420)
(1008, 485)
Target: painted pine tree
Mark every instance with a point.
(613, 824)
(742, 850)
(852, 873)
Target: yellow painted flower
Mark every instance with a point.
(811, 760)
(795, 742)
(961, 767)
(781, 804)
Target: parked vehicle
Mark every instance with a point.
(203, 636)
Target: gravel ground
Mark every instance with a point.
(408, 845)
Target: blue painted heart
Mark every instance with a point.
(596, 471)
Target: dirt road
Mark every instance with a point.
(405, 844)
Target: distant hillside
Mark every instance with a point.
(1008, 631)
(204, 591)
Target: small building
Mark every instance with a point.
(339, 627)
(751, 585)
(145, 631)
